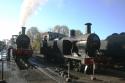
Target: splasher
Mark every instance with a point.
(28, 8)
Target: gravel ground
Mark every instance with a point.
(13, 75)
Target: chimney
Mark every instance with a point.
(88, 28)
(72, 33)
(23, 30)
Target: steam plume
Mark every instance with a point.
(27, 8)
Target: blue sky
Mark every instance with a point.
(107, 16)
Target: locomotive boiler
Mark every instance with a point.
(77, 51)
(23, 49)
(87, 44)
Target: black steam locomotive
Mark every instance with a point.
(23, 50)
(113, 49)
(77, 51)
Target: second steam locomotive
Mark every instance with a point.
(23, 50)
(78, 51)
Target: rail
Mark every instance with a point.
(50, 73)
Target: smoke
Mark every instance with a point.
(29, 7)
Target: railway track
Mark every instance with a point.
(53, 75)
(48, 71)
(104, 76)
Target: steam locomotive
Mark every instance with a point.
(77, 51)
(113, 49)
(23, 50)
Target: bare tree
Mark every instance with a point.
(2, 45)
(61, 29)
(35, 38)
(32, 32)
(78, 33)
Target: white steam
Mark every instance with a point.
(27, 8)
